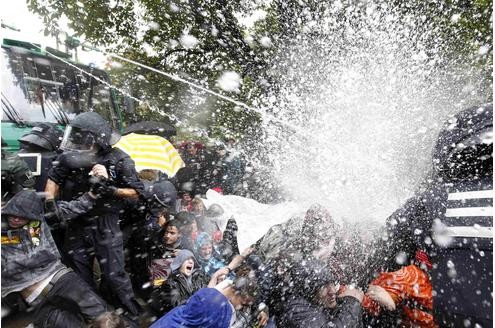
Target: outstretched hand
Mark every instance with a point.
(353, 292)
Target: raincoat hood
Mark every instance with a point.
(207, 308)
(26, 204)
(318, 226)
(29, 254)
(202, 239)
(182, 256)
(463, 141)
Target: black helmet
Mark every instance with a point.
(43, 135)
(163, 194)
(465, 144)
(87, 130)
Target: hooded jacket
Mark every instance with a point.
(178, 287)
(211, 264)
(299, 312)
(29, 253)
(207, 308)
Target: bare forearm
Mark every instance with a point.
(52, 189)
(126, 193)
(237, 260)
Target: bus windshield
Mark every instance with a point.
(37, 88)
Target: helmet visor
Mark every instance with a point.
(77, 139)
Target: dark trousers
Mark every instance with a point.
(70, 303)
(102, 239)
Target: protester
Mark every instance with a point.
(210, 222)
(186, 278)
(407, 292)
(146, 248)
(207, 308)
(206, 256)
(165, 246)
(88, 151)
(212, 307)
(198, 207)
(184, 202)
(188, 229)
(31, 263)
(200, 166)
(324, 308)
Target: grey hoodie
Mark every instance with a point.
(182, 256)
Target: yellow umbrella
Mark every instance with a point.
(151, 152)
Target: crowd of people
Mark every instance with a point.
(102, 245)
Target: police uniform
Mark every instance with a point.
(16, 175)
(451, 220)
(97, 233)
(43, 139)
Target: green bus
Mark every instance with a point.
(38, 87)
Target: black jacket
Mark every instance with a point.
(177, 290)
(301, 313)
(73, 179)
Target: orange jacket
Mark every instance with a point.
(411, 290)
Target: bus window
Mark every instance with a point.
(43, 89)
(69, 91)
(96, 95)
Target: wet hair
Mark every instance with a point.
(198, 202)
(245, 283)
(172, 223)
(108, 320)
(214, 210)
(148, 175)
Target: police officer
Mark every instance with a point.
(16, 175)
(450, 223)
(43, 139)
(87, 146)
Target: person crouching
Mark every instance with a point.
(31, 265)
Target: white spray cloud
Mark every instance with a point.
(229, 81)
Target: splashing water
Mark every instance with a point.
(371, 94)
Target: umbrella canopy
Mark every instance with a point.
(151, 128)
(151, 152)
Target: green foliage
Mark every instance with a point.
(200, 39)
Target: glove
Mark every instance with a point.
(101, 187)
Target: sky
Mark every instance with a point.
(15, 13)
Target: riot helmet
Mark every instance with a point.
(162, 194)
(88, 132)
(465, 145)
(43, 136)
